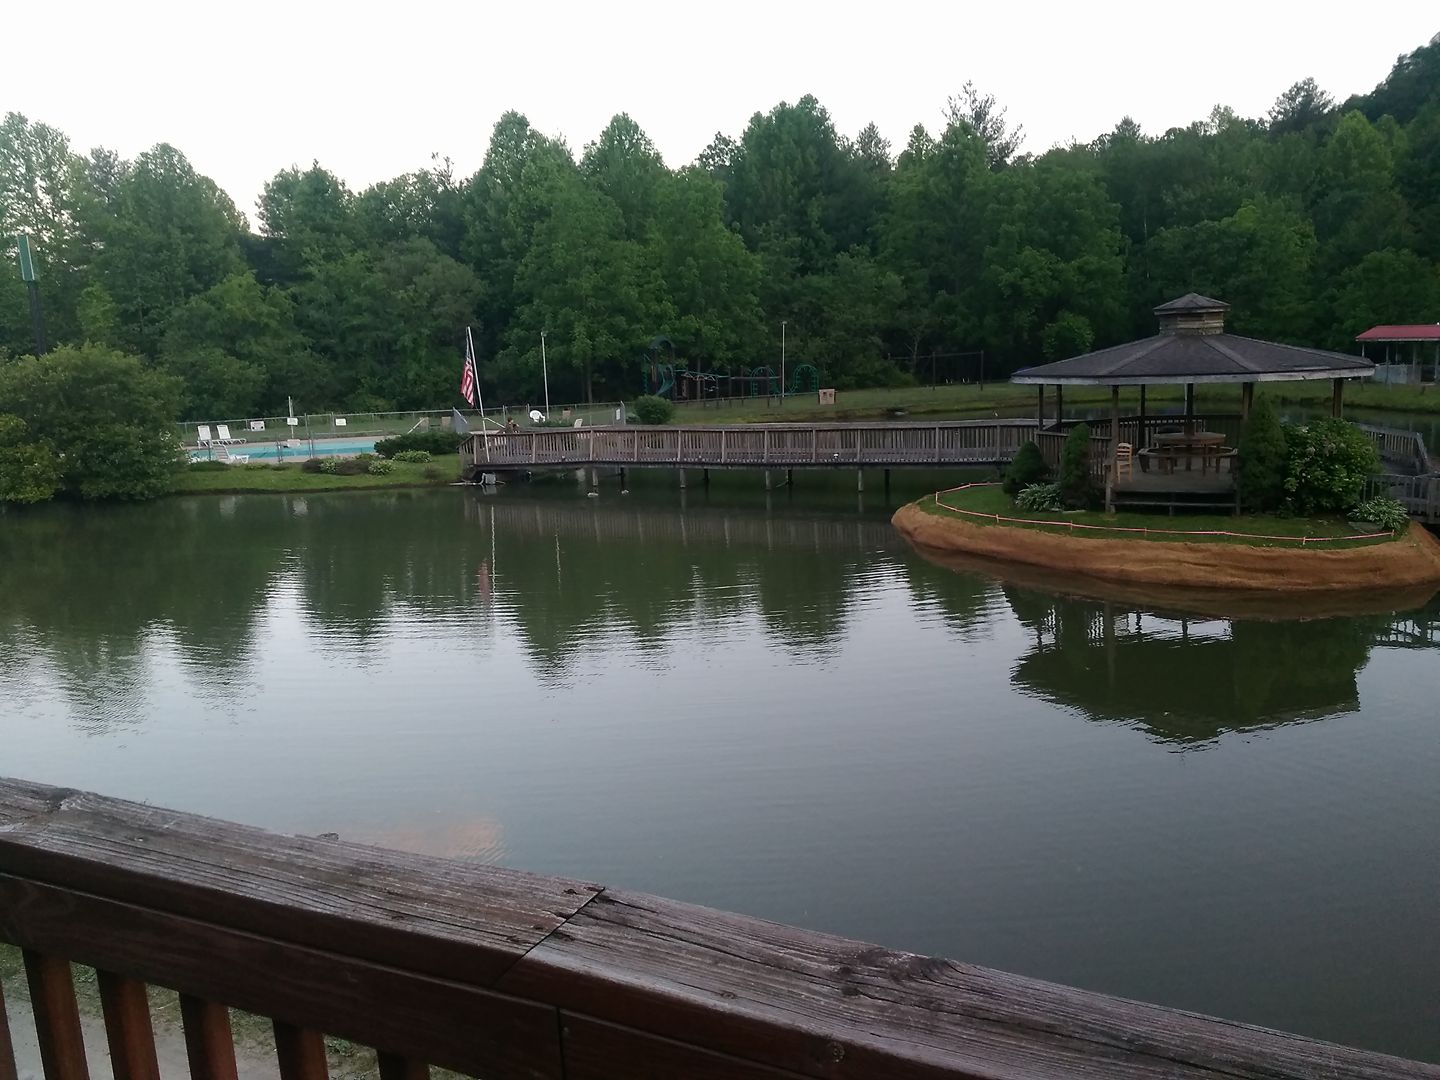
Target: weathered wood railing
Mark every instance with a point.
(1419, 494)
(1404, 448)
(501, 974)
(751, 446)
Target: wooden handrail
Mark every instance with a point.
(503, 974)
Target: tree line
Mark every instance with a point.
(1314, 222)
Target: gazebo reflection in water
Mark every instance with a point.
(1185, 461)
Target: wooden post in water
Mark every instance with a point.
(859, 479)
(682, 479)
(767, 479)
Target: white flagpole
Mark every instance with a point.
(475, 365)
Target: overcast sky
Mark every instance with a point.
(371, 90)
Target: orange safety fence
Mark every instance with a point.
(1073, 525)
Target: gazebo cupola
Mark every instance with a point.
(1193, 315)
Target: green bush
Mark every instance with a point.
(415, 457)
(101, 418)
(1386, 512)
(1329, 462)
(208, 466)
(1039, 497)
(29, 470)
(380, 467)
(652, 409)
(1264, 457)
(432, 442)
(432, 472)
(313, 465)
(1028, 468)
(1077, 490)
(329, 466)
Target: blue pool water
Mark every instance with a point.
(269, 450)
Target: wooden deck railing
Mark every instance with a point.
(1405, 448)
(501, 974)
(751, 446)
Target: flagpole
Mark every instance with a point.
(479, 397)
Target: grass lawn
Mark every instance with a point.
(992, 500)
(1008, 398)
(235, 479)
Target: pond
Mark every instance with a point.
(770, 706)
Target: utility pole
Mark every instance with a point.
(545, 374)
(782, 363)
(27, 275)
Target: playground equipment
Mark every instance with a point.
(669, 380)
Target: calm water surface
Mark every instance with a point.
(781, 711)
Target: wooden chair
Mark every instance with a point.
(1124, 459)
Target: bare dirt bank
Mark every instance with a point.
(1412, 560)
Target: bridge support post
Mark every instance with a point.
(767, 479)
(705, 477)
(887, 481)
(682, 479)
(789, 478)
(859, 479)
(594, 478)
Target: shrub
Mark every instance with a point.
(1039, 497)
(432, 472)
(312, 465)
(330, 466)
(1077, 490)
(1383, 511)
(1329, 462)
(100, 418)
(652, 409)
(415, 457)
(380, 467)
(1264, 454)
(29, 471)
(432, 442)
(1028, 468)
(208, 466)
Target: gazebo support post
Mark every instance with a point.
(1040, 406)
(1140, 441)
(1337, 398)
(1114, 449)
(1189, 408)
(1059, 407)
(1247, 399)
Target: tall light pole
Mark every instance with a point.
(27, 275)
(545, 374)
(782, 363)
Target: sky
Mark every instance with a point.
(372, 90)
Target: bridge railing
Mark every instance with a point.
(1401, 447)
(757, 445)
(500, 974)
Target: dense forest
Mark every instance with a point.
(1314, 222)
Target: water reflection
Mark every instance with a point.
(1190, 680)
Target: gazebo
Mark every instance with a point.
(1191, 349)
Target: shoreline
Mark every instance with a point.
(1409, 561)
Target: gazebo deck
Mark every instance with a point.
(1181, 490)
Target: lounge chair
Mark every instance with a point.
(202, 435)
(222, 432)
(222, 453)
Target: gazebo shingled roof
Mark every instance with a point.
(1192, 347)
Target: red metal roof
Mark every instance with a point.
(1421, 332)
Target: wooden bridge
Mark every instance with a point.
(505, 975)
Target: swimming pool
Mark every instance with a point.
(259, 451)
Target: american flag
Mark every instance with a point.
(468, 376)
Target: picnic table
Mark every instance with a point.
(1171, 447)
